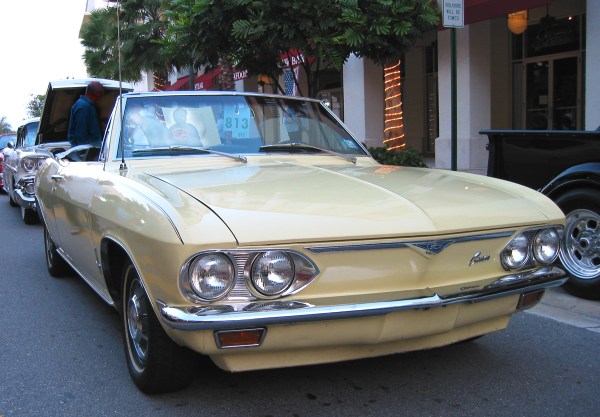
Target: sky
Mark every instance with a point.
(39, 43)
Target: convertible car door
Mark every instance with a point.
(75, 185)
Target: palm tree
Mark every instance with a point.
(143, 26)
(99, 38)
(5, 127)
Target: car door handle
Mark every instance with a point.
(57, 178)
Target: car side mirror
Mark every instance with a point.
(10, 145)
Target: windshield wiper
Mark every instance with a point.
(303, 147)
(238, 158)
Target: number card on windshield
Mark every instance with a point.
(237, 120)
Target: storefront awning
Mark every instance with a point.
(479, 10)
(179, 84)
(204, 81)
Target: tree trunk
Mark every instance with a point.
(226, 75)
(393, 134)
(160, 81)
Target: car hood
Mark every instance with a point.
(290, 202)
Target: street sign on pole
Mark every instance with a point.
(453, 17)
(453, 13)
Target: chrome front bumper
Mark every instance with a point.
(24, 200)
(221, 317)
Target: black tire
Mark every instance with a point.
(57, 266)
(156, 363)
(29, 216)
(11, 201)
(581, 247)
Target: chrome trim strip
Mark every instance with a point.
(396, 245)
(223, 318)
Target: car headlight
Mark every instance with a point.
(211, 276)
(272, 273)
(516, 253)
(31, 165)
(29, 187)
(546, 246)
(532, 247)
(245, 275)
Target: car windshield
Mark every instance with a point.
(161, 125)
(31, 133)
(4, 139)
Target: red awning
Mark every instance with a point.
(479, 10)
(178, 85)
(204, 81)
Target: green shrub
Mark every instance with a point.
(408, 157)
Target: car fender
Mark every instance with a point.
(582, 175)
(156, 230)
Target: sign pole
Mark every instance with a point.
(453, 17)
(453, 99)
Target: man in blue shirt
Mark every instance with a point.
(84, 127)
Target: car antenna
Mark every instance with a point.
(123, 166)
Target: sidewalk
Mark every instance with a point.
(559, 305)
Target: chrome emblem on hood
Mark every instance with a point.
(479, 258)
(434, 247)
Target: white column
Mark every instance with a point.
(592, 63)
(364, 100)
(473, 97)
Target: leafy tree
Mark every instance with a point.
(35, 105)
(310, 27)
(255, 33)
(202, 28)
(382, 30)
(5, 127)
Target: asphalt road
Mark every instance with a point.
(61, 355)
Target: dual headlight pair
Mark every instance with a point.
(32, 164)
(211, 276)
(531, 247)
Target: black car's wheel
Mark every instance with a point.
(29, 216)
(57, 266)
(581, 252)
(155, 362)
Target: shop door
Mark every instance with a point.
(552, 94)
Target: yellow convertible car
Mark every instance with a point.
(256, 230)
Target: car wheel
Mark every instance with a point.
(11, 201)
(29, 216)
(57, 266)
(156, 363)
(581, 252)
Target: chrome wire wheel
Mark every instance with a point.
(581, 254)
(137, 324)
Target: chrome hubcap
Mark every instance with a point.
(49, 244)
(581, 254)
(137, 322)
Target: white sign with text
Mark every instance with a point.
(453, 13)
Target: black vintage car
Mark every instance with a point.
(565, 166)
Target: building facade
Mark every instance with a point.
(545, 79)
